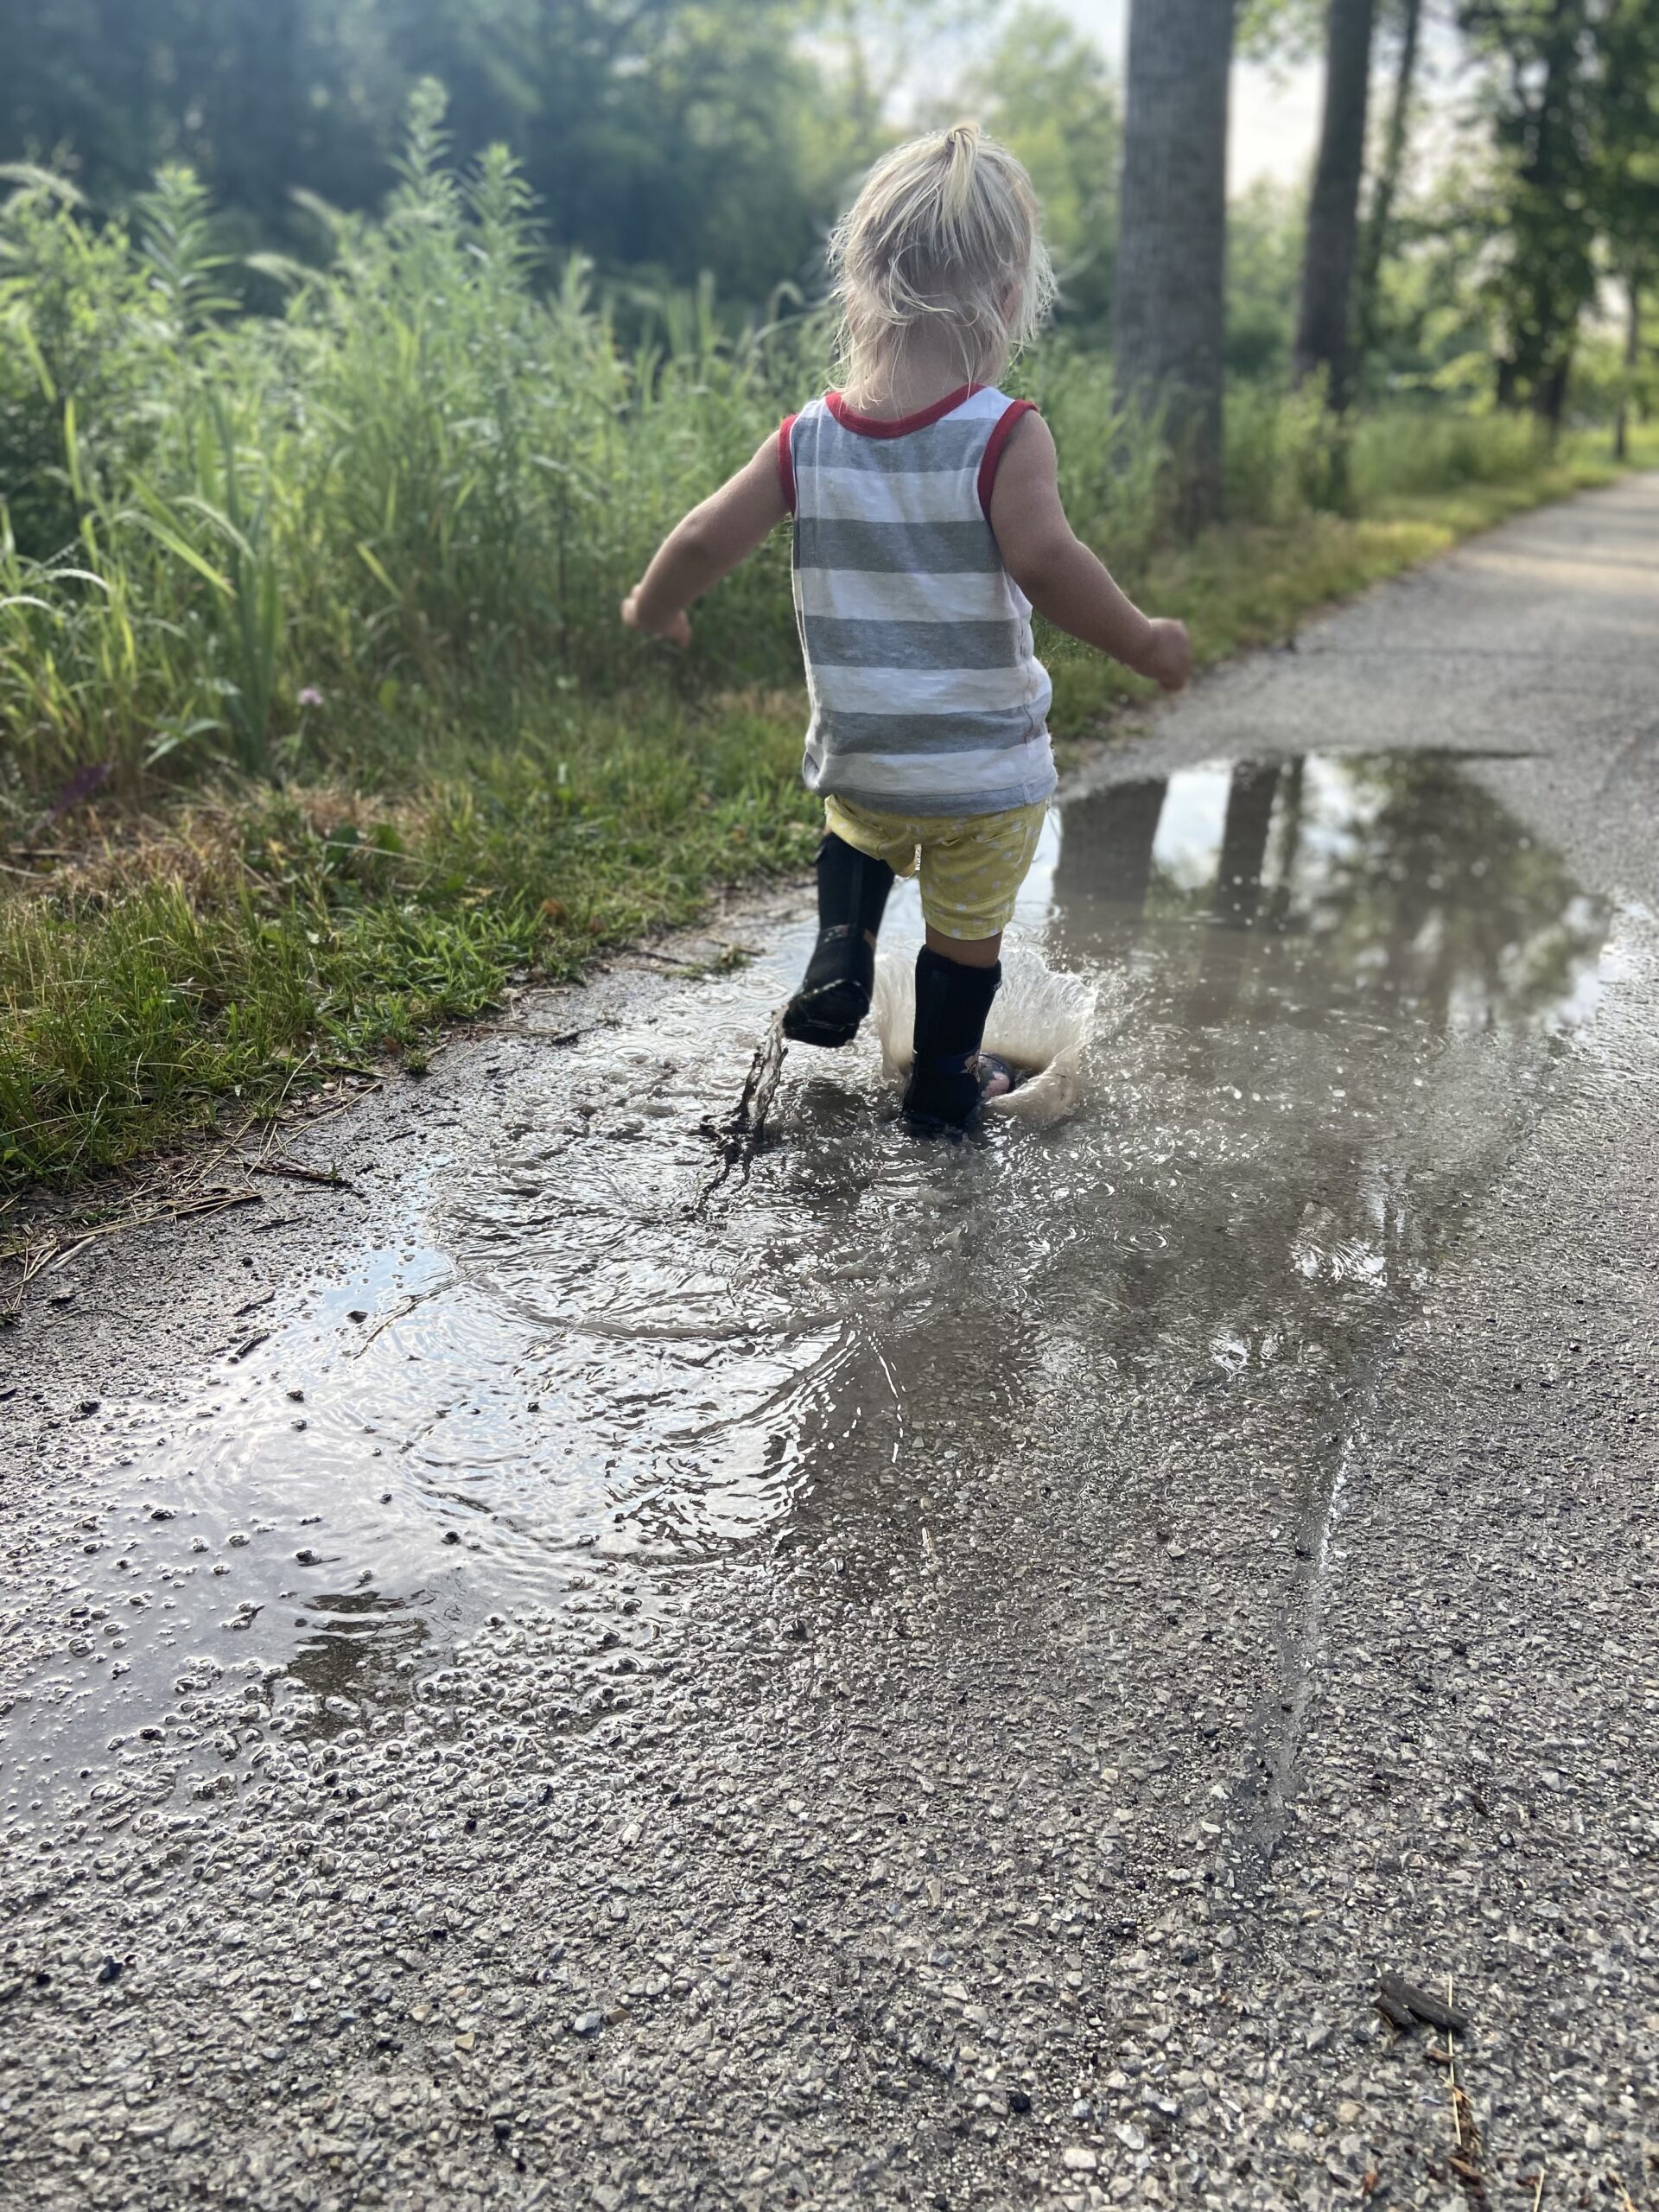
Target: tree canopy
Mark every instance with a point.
(656, 135)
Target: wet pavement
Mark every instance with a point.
(914, 1675)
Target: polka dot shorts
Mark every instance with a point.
(971, 865)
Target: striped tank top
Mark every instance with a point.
(927, 697)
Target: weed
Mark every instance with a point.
(318, 723)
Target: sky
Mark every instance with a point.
(1274, 117)
(1275, 120)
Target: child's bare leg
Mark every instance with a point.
(967, 952)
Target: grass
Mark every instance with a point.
(317, 726)
(232, 949)
(1250, 583)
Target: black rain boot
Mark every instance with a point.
(946, 1081)
(835, 992)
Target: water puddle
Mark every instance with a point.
(604, 1367)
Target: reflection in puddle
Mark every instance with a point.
(1329, 985)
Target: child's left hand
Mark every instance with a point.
(676, 627)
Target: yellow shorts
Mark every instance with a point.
(971, 865)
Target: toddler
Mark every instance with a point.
(928, 525)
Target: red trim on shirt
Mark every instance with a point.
(998, 438)
(787, 461)
(896, 426)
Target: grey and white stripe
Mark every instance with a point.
(927, 696)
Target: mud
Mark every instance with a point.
(607, 1425)
(1326, 987)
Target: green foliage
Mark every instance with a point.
(421, 473)
(1542, 274)
(1280, 30)
(176, 244)
(77, 330)
(1264, 267)
(1628, 171)
(1573, 90)
(259, 941)
(236, 965)
(1045, 91)
(424, 480)
(1426, 452)
(670, 137)
(372, 544)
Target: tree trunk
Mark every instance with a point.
(1105, 871)
(1228, 945)
(1168, 309)
(1322, 336)
(1251, 789)
(1550, 279)
(1549, 394)
(1632, 355)
(1379, 224)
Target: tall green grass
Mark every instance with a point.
(326, 598)
(424, 475)
(235, 540)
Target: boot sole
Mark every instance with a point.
(803, 1025)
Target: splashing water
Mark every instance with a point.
(742, 1133)
(1040, 1022)
(1329, 993)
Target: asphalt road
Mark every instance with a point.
(547, 1677)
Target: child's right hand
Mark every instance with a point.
(1168, 658)
(676, 627)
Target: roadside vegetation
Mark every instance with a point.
(317, 726)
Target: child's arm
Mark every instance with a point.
(1061, 577)
(713, 538)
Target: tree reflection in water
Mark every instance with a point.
(1339, 978)
(1391, 878)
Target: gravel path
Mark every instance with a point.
(546, 1679)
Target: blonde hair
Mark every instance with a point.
(946, 229)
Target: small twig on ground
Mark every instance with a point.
(397, 1313)
(68, 1253)
(33, 1260)
(1465, 2160)
(211, 1202)
(342, 1106)
(291, 1171)
(45, 1258)
(215, 1158)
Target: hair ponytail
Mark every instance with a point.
(962, 156)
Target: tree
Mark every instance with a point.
(1628, 171)
(1378, 238)
(668, 136)
(1045, 90)
(1169, 315)
(1324, 325)
(1542, 96)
